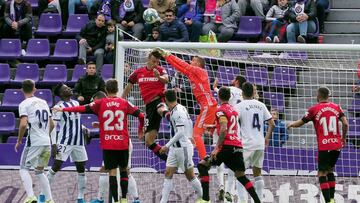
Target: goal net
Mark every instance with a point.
(287, 77)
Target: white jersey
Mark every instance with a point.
(236, 95)
(252, 115)
(180, 120)
(70, 125)
(38, 114)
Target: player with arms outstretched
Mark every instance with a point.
(34, 115)
(325, 116)
(252, 116)
(180, 147)
(199, 80)
(151, 79)
(228, 148)
(112, 112)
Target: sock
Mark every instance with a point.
(155, 148)
(81, 185)
(204, 179)
(124, 180)
(50, 175)
(114, 188)
(241, 192)
(103, 184)
(168, 186)
(324, 186)
(259, 186)
(44, 184)
(332, 184)
(132, 188)
(27, 182)
(249, 187)
(230, 181)
(195, 183)
(220, 174)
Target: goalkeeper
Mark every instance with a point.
(199, 80)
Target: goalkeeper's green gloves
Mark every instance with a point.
(163, 52)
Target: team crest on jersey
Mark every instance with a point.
(220, 113)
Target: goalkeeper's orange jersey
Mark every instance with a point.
(199, 80)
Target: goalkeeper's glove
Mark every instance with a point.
(162, 52)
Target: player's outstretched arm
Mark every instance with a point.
(345, 127)
(270, 129)
(296, 124)
(179, 64)
(127, 90)
(222, 132)
(215, 85)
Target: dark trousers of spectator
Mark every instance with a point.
(321, 6)
(275, 28)
(98, 53)
(25, 32)
(223, 33)
(109, 57)
(195, 30)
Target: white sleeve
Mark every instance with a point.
(180, 132)
(53, 134)
(57, 116)
(180, 124)
(267, 114)
(22, 110)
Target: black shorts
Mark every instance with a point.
(327, 159)
(232, 157)
(115, 158)
(153, 119)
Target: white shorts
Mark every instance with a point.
(253, 158)
(180, 157)
(36, 156)
(76, 153)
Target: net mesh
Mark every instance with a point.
(286, 81)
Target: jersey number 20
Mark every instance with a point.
(110, 116)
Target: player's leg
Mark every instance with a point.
(203, 168)
(42, 160)
(330, 175)
(132, 186)
(323, 168)
(194, 181)
(199, 131)
(63, 153)
(241, 191)
(79, 156)
(257, 160)
(168, 184)
(103, 184)
(111, 164)
(26, 177)
(124, 179)
(230, 184)
(186, 163)
(220, 176)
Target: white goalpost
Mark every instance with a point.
(287, 77)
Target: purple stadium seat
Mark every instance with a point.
(46, 95)
(13, 139)
(79, 70)
(54, 74)
(107, 71)
(257, 75)
(170, 70)
(12, 98)
(249, 26)
(65, 50)
(49, 24)
(164, 129)
(145, 3)
(355, 105)
(75, 23)
(10, 49)
(7, 124)
(284, 77)
(295, 55)
(37, 49)
(236, 54)
(354, 127)
(34, 4)
(86, 120)
(226, 74)
(4, 73)
(277, 100)
(26, 71)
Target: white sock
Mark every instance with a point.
(195, 183)
(132, 187)
(103, 185)
(241, 192)
(27, 182)
(50, 175)
(81, 185)
(220, 174)
(168, 186)
(230, 182)
(259, 186)
(44, 184)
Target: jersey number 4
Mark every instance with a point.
(110, 116)
(256, 122)
(332, 127)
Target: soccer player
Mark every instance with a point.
(112, 112)
(325, 116)
(34, 115)
(152, 79)
(235, 89)
(252, 116)
(180, 147)
(70, 140)
(199, 80)
(228, 148)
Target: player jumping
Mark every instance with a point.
(114, 138)
(325, 116)
(228, 149)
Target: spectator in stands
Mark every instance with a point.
(321, 6)
(110, 42)
(92, 40)
(101, 7)
(172, 30)
(129, 14)
(88, 84)
(191, 14)
(160, 6)
(276, 16)
(225, 20)
(301, 15)
(258, 6)
(279, 136)
(155, 35)
(18, 18)
(49, 6)
(72, 3)
(2, 16)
